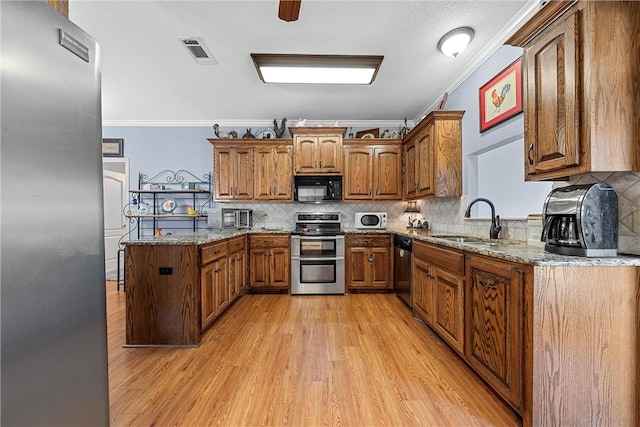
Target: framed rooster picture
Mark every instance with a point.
(501, 97)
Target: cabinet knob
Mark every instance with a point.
(371, 259)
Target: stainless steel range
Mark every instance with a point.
(317, 254)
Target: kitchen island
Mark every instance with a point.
(177, 285)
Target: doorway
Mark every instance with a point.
(115, 182)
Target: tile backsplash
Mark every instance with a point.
(627, 186)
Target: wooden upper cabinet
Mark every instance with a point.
(433, 156)
(317, 150)
(410, 181)
(233, 172)
(424, 173)
(372, 172)
(580, 80)
(358, 173)
(62, 6)
(273, 172)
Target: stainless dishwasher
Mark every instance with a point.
(403, 266)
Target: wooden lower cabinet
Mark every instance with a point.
(494, 324)
(368, 261)
(237, 267)
(174, 292)
(214, 279)
(163, 295)
(269, 262)
(422, 291)
(438, 283)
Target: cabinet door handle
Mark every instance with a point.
(486, 285)
(371, 259)
(217, 270)
(320, 163)
(529, 153)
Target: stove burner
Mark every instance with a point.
(318, 224)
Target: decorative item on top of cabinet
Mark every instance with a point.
(269, 262)
(317, 150)
(581, 76)
(368, 261)
(372, 170)
(433, 156)
(438, 288)
(280, 130)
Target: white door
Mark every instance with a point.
(116, 196)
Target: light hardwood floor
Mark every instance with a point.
(279, 360)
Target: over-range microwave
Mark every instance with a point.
(371, 220)
(317, 189)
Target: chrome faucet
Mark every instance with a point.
(495, 219)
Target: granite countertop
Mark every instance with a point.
(517, 251)
(508, 250)
(202, 237)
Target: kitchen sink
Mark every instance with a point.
(462, 239)
(473, 240)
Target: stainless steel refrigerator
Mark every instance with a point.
(52, 282)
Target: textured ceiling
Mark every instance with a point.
(149, 77)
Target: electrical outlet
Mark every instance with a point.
(636, 221)
(166, 271)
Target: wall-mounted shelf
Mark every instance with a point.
(187, 196)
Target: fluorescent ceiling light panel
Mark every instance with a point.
(316, 69)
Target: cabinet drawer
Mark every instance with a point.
(449, 259)
(268, 240)
(212, 252)
(237, 244)
(368, 240)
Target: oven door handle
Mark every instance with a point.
(298, 258)
(325, 237)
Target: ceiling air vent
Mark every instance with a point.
(198, 50)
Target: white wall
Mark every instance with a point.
(152, 149)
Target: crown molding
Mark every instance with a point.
(494, 44)
(233, 123)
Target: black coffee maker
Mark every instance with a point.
(581, 220)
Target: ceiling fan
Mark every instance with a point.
(289, 10)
